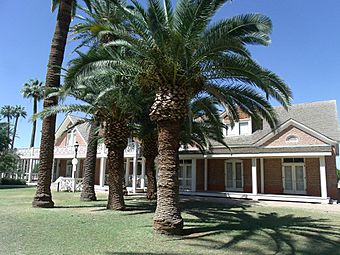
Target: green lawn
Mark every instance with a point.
(210, 228)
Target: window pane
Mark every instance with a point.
(238, 175)
(244, 129)
(188, 171)
(298, 160)
(300, 183)
(230, 175)
(288, 160)
(288, 178)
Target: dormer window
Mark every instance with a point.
(240, 128)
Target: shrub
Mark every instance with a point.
(10, 181)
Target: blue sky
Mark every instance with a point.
(305, 48)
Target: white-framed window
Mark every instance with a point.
(294, 176)
(185, 175)
(69, 168)
(71, 137)
(240, 128)
(233, 175)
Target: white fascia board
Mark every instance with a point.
(62, 127)
(257, 155)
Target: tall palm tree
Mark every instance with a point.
(33, 89)
(66, 8)
(18, 111)
(179, 54)
(7, 112)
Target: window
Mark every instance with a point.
(244, 128)
(185, 175)
(240, 128)
(234, 175)
(69, 168)
(71, 137)
(294, 176)
(292, 139)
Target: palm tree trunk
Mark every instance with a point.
(115, 165)
(14, 131)
(88, 193)
(116, 137)
(167, 219)
(34, 126)
(150, 152)
(9, 128)
(151, 192)
(43, 196)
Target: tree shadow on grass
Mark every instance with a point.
(228, 226)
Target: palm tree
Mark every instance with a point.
(96, 26)
(111, 103)
(18, 112)
(33, 89)
(179, 54)
(66, 8)
(7, 112)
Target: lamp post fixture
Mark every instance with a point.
(74, 165)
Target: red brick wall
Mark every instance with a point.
(273, 176)
(199, 174)
(332, 183)
(62, 169)
(216, 175)
(312, 166)
(247, 180)
(96, 177)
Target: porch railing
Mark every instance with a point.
(67, 184)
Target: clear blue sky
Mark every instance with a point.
(305, 48)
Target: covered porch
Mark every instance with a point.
(299, 176)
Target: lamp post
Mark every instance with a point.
(74, 165)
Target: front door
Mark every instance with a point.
(185, 175)
(294, 178)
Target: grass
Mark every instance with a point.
(211, 227)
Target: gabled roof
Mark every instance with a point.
(83, 129)
(320, 117)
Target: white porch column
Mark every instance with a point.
(205, 174)
(323, 181)
(134, 174)
(193, 175)
(142, 181)
(30, 168)
(254, 177)
(127, 172)
(262, 174)
(53, 166)
(102, 172)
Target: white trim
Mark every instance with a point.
(127, 171)
(233, 162)
(323, 178)
(254, 176)
(102, 172)
(256, 155)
